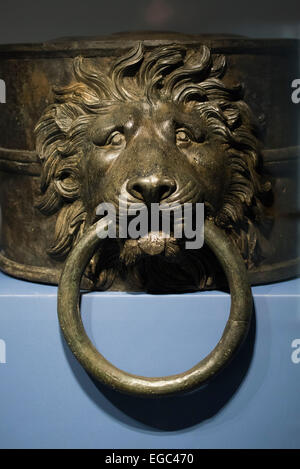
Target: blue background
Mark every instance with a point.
(48, 401)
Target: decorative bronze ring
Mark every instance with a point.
(234, 333)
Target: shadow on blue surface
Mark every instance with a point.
(170, 413)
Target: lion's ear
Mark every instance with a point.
(64, 118)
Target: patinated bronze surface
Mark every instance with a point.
(154, 119)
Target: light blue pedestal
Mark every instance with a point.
(48, 401)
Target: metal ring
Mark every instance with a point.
(235, 331)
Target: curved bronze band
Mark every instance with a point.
(234, 334)
(20, 161)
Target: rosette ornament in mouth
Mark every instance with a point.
(152, 243)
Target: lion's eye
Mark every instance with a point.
(182, 136)
(116, 139)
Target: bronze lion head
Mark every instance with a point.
(159, 126)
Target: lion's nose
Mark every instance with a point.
(151, 189)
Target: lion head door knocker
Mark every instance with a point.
(157, 126)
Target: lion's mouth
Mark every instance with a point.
(153, 243)
(159, 260)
